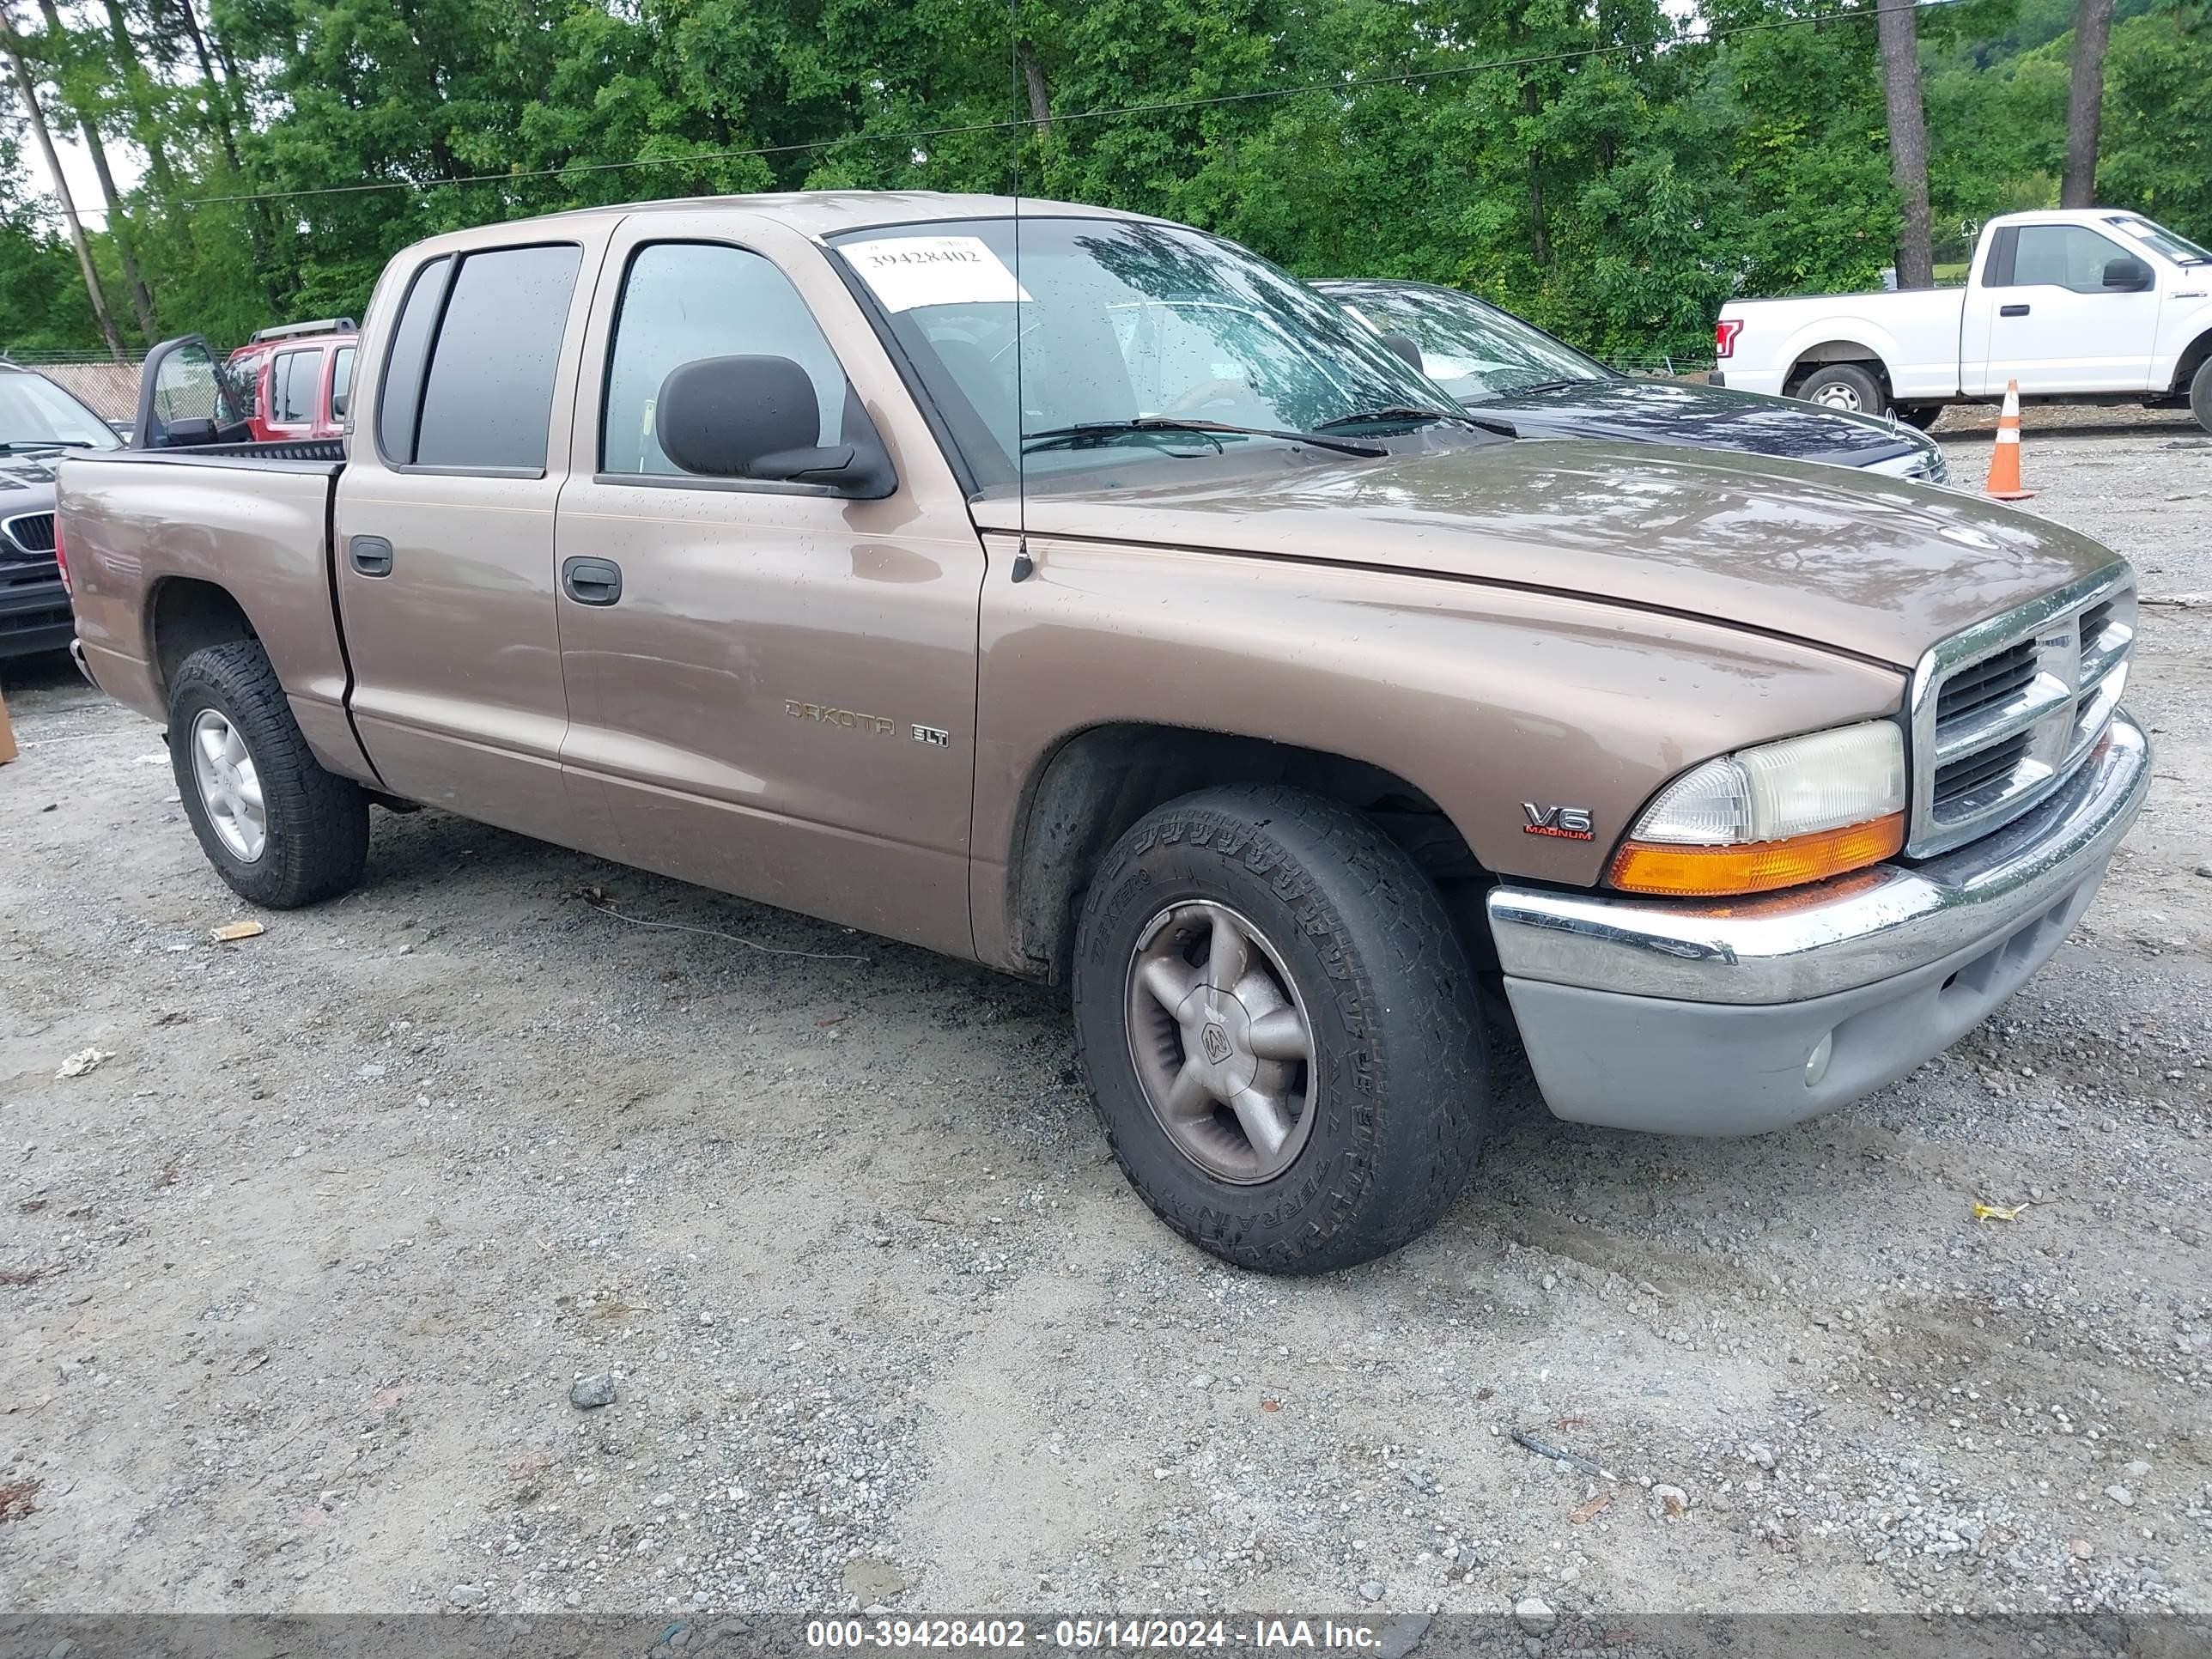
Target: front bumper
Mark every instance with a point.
(34, 611)
(1733, 1018)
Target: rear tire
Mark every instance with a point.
(277, 827)
(1844, 387)
(2200, 395)
(1383, 1100)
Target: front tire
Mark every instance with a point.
(278, 828)
(1844, 387)
(1279, 1029)
(2200, 395)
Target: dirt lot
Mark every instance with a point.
(296, 1284)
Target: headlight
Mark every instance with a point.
(1776, 815)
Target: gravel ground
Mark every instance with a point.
(303, 1281)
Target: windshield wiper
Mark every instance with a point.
(1395, 414)
(1550, 385)
(10, 446)
(1409, 412)
(1094, 432)
(1503, 429)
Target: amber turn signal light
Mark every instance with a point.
(1758, 866)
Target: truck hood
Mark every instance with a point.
(1837, 557)
(1704, 417)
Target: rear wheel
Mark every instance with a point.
(1845, 388)
(277, 827)
(1281, 1030)
(2200, 395)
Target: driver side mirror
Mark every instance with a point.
(761, 418)
(2127, 274)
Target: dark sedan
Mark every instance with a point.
(1493, 361)
(39, 423)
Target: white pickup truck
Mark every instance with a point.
(2080, 305)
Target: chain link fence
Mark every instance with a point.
(108, 387)
(1662, 367)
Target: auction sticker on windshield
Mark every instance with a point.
(909, 272)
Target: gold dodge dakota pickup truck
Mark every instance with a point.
(1076, 592)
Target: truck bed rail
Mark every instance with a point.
(285, 454)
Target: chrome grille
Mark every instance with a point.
(1990, 681)
(1964, 777)
(2004, 711)
(1926, 465)
(32, 531)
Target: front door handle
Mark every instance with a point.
(371, 555)
(2012, 310)
(591, 581)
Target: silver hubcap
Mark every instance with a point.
(229, 786)
(1221, 1043)
(1835, 396)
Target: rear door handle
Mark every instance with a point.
(371, 555)
(591, 581)
(2012, 310)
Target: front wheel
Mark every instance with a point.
(277, 827)
(1280, 1028)
(2200, 395)
(1844, 387)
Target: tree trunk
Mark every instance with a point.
(220, 95)
(29, 94)
(2092, 27)
(1540, 241)
(1908, 139)
(118, 226)
(226, 104)
(145, 121)
(1040, 99)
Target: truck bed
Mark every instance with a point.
(165, 547)
(1914, 333)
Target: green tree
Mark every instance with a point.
(1611, 167)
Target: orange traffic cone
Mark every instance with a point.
(2004, 484)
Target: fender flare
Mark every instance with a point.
(1878, 344)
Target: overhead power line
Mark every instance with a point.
(1167, 107)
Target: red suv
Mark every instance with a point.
(301, 375)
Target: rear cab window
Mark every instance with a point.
(469, 379)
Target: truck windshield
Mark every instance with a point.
(1122, 321)
(1473, 350)
(2179, 249)
(35, 414)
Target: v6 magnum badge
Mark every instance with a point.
(1560, 823)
